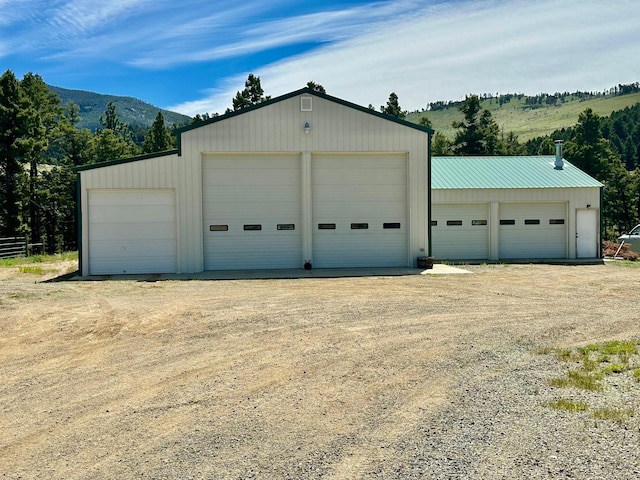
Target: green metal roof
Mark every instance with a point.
(506, 172)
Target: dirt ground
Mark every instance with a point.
(296, 378)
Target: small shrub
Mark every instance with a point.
(636, 374)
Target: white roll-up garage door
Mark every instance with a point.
(132, 231)
(251, 211)
(533, 230)
(359, 210)
(460, 231)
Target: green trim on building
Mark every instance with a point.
(120, 161)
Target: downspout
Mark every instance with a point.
(429, 254)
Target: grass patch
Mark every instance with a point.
(593, 363)
(615, 414)
(577, 379)
(624, 350)
(624, 263)
(13, 262)
(614, 368)
(32, 270)
(568, 405)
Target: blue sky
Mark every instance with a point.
(192, 56)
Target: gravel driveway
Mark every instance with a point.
(421, 376)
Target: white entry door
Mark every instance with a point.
(587, 233)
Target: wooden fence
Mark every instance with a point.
(13, 247)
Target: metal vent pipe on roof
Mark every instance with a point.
(559, 163)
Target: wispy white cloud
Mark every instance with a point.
(424, 50)
(447, 50)
(191, 42)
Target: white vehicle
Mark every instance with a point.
(632, 239)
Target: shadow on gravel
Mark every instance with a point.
(292, 274)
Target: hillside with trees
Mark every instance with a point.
(532, 116)
(133, 112)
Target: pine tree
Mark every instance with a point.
(14, 127)
(393, 107)
(477, 133)
(159, 138)
(468, 139)
(316, 86)
(110, 121)
(252, 94)
(44, 114)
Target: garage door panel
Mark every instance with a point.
(226, 177)
(108, 214)
(254, 212)
(340, 248)
(132, 231)
(135, 231)
(269, 194)
(363, 179)
(360, 211)
(467, 241)
(363, 193)
(359, 189)
(268, 248)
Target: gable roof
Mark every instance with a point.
(506, 172)
(220, 118)
(306, 91)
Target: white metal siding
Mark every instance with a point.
(274, 129)
(132, 231)
(469, 241)
(542, 240)
(241, 190)
(365, 189)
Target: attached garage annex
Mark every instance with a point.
(507, 208)
(304, 178)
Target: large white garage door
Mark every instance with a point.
(533, 230)
(252, 212)
(460, 231)
(359, 211)
(132, 231)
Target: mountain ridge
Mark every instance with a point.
(130, 110)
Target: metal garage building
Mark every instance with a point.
(503, 208)
(303, 178)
